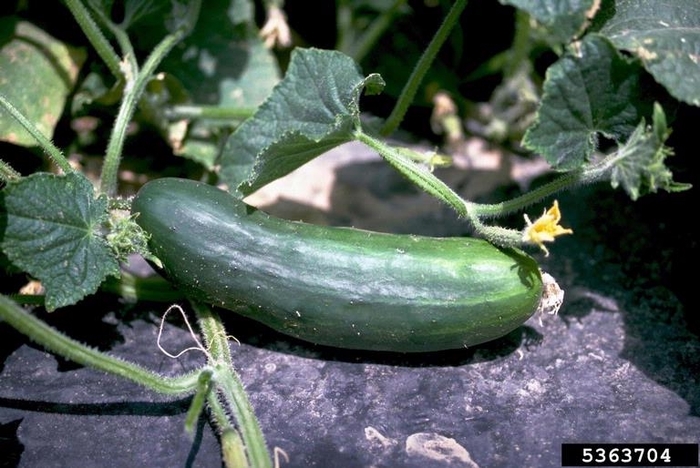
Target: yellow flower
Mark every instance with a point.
(545, 228)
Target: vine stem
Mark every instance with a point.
(231, 392)
(7, 173)
(521, 46)
(57, 342)
(201, 396)
(363, 46)
(122, 38)
(94, 34)
(136, 81)
(51, 150)
(475, 213)
(135, 288)
(421, 68)
(207, 112)
(416, 173)
(583, 176)
(511, 237)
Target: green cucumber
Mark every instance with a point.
(336, 286)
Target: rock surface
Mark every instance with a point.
(619, 363)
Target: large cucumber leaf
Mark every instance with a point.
(665, 35)
(37, 73)
(50, 227)
(562, 19)
(313, 109)
(589, 92)
(223, 62)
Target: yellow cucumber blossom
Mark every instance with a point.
(545, 228)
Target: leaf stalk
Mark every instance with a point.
(136, 81)
(231, 392)
(49, 148)
(57, 342)
(94, 34)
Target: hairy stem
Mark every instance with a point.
(583, 176)
(419, 175)
(49, 148)
(136, 288)
(57, 342)
(207, 112)
(7, 173)
(130, 64)
(522, 44)
(204, 386)
(231, 392)
(133, 90)
(475, 213)
(421, 68)
(94, 34)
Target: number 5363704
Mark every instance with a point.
(625, 455)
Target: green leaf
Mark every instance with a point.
(562, 19)
(664, 35)
(313, 109)
(37, 72)
(641, 169)
(590, 92)
(223, 62)
(201, 145)
(50, 228)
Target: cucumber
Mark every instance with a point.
(335, 286)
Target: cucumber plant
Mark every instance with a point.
(72, 235)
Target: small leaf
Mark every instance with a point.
(313, 109)
(664, 35)
(562, 19)
(37, 72)
(50, 228)
(641, 169)
(592, 92)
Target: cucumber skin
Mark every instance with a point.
(340, 287)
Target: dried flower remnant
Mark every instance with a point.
(275, 32)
